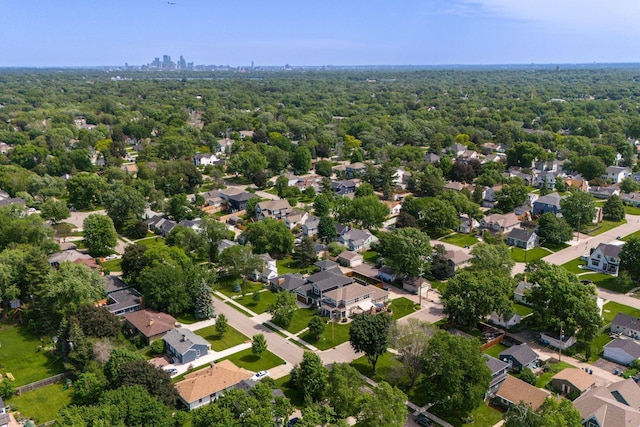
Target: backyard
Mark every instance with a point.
(288, 265)
(334, 334)
(459, 239)
(553, 368)
(43, 404)
(231, 337)
(495, 350)
(401, 307)
(612, 308)
(227, 285)
(22, 355)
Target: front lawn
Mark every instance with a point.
(247, 360)
(634, 234)
(112, 265)
(401, 307)
(574, 265)
(266, 299)
(604, 226)
(555, 247)
(288, 265)
(459, 239)
(385, 364)
(42, 404)
(632, 210)
(606, 281)
(494, 351)
(334, 334)
(520, 255)
(301, 319)
(554, 368)
(484, 416)
(151, 242)
(612, 308)
(227, 285)
(231, 337)
(187, 319)
(22, 355)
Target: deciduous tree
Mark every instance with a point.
(578, 209)
(258, 345)
(283, 309)
(406, 251)
(393, 413)
(99, 234)
(310, 377)
(369, 334)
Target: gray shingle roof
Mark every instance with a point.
(630, 347)
(522, 353)
(175, 338)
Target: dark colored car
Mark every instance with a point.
(293, 421)
(422, 420)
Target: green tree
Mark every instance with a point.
(426, 183)
(124, 204)
(86, 190)
(316, 327)
(493, 258)
(528, 376)
(590, 167)
(344, 385)
(321, 205)
(258, 345)
(133, 261)
(455, 383)
(628, 185)
(310, 377)
(221, 324)
(305, 252)
(301, 160)
(406, 251)
(180, 208)
(270, 236)
(324, 168)
(510, 197)
(203, 303)
(156, 381)
(523, 154)
(613, 209)
(392, 413)
(369, 334)
(369, 212)
(88, 388)
(578, 209)
(99, 234)
(411, 339)
(283, 309)
(554, 230)
(118, 358)
(472, 295)
(187, 239)
(213, 231)
(327, 229)
(630, 258)
(239, 261)
(54, 211)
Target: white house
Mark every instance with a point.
(626, 325)
(605, 258)
(616, 174)
(204, 159)
(356, 240)
(623, 351)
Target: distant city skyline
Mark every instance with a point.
(69, 33)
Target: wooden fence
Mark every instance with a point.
(42, 383)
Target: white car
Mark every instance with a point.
(110, 257)
(260, 375)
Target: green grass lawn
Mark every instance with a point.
(334, 334)
(42, 404)
(518, 255)
(605, 281)
(266, 299)
(385, 364)
(151, 242)
(226, 286)
(247, 360)
(555, 247)
(573, 266)
(295, 395)
(112, 265)
(231, 337)
(611, 308)
(301, 319)
(522, 310)
(484, 416)
(597, 344)
(495, 350)
(634, 234)
(187, 319)
(461, 240)
(370, 257)
(605, 226)
(632, 210)
(288, 265)
(240, 309)
(20, 356)
(401, 307)
(545, 378)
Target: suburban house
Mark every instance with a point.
(213, 198)
(431, 158)
(295, 218)
(498, 370)
(413, 284)
(270, 270)
(205, 386)
(310, 226)
(617, 174)
(71, 255)
(386, 274)
(224, 244)
(500, 223)
(321, 282)
(626, 325)
(356, 240)
(224, 145)
(151, 324)
(604, 192)
(121, 298)
(577, 183)
(343, 187)
(556, 341)
(238, 202)
(622, 350)
(605, 258)
(354, 170)
(522, 238)
(520, 293)
(327, 264)
(519, 357)
(512, 391)
(184, 345)
(457, 258)
(615, 405)
(499, 320)
(287, 282)
(276, 209)
(346, 301)
(632, 199)
(205, 159)
(572, 379)
(467, 225)
(160, 225)
(350, 259)
(548, 203)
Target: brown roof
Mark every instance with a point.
(515, 390)
(576, 377)
(609, 409)
(211, 380)
(151, 322)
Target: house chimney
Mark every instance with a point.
(183, 338)
(150, 322)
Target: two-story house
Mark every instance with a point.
(276, 209)
(321, 282)
(345, 301)
(617, 174)
(548, 203)
(343, 187)
(498, 370)
(205, 159)
(605, 258)
(500, 223)
(295, 218)
(355, 170)
(625, 324)
(356, 240)
(185, 346)
(310, 226)
(238, 202)
(522, 238)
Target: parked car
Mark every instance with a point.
(422, 420)
(293, 421)
(110, 257)
(171, 371)
(260, 375)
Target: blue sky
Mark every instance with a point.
(346, 32)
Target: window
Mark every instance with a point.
(356, 299)
(595, 263)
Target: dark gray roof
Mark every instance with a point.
(122, 299)
(522, 287)
(241, 197)
(629, 346)
(624, 320)
(552, 199)
(494, 364)
(289, 281)
(114, 283)
(522, 353)
(175, 338)
(328, 279)
(326, 264)
(520, 234)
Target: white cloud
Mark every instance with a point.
(589, 15)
